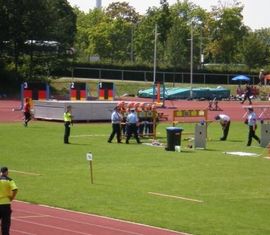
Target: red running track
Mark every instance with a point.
(33, 219)
(232, 108)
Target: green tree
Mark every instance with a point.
(185, 15)
(62, 27)
(87, 24)
(164, 21)
(144, 39)
(27, 21)
(35, 29)
(123, 11)
(256, 50)
(227, 32)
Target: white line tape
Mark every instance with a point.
(177, 197)
(24, 172)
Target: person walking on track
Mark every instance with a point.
(248, 94)
(8, 191)
(27, 111)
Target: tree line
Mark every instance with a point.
(39, 37)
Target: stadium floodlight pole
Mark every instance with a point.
(191, 59)
(155, 63)
(131, 48)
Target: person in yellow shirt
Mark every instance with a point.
(8, 191)
(67, 122)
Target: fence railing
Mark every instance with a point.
(161, 76)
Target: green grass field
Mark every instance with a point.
(235, 190)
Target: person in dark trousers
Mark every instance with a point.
(252, 126)
(225, 123)
(116, 119)
(132, 123)
(27, 111)
(248, 93)
(67, 123)
(8, 191)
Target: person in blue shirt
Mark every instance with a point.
(116, 119)
(132, 124)
(251, 122)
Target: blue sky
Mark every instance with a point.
(256, 12)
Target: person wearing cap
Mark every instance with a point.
(132, 123)
(251, 122)
(116, 119)
(8, 191)
(67, 122)
(225, 122)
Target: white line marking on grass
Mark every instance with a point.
(25, 173)
(177, 197)
(81, 136)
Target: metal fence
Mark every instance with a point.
(164, 77)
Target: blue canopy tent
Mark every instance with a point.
(241, 78)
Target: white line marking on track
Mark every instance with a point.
(53, 227)
(78, 222)
(30, 216)
(105, 217)
(177, 197)
(22, 232)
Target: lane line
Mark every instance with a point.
(102, 217)
(30, 216)
(52, 227)
(82, 223)
(22, 232)
(177, 197)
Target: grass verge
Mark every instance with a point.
(235, 190)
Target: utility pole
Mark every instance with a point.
(191, 60)
(155, 63)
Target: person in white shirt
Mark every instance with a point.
(132, 123)
(116, 119)
(225, 122)
(251, 122)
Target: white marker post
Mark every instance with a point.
(89, 157)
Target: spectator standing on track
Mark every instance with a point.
(132, 123)
(27, 111)
(67, 123)
(8, 191)
(248, 93)
(225, 122)
(251, 122)
(116, 119)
